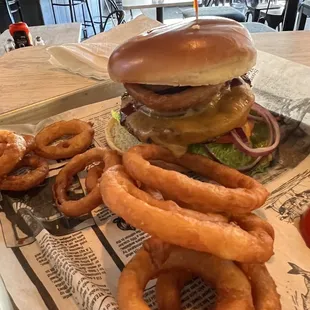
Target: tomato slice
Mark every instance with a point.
(225, 139)
(304, 227)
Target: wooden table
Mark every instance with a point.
(158, 4)
(292, 45)
(51, 34)
(27, 76)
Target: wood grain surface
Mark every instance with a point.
(27, 77)
(292, 45)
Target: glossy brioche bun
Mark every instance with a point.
(208, 51)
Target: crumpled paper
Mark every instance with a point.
(90, 58)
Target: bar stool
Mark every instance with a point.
(72, 4)
(221, 11)
(115, 11)
(13, 7)
(274, 18)
(254, 8)
(304, 12)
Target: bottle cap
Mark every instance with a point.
(20, 26)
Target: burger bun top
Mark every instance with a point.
(191, 53)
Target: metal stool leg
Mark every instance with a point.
(301, 21)
(84, 22)
(100, 15)
(90, 16)
(9, 12)
(53, 10)
(71, 10)
(74, 13)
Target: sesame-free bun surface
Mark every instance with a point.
(118, 138)
(208, 51)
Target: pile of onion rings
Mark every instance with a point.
(227, 247)
(243, 193)
(21, 170)
(64, 178)
(251, 240)
(15, 154)
(214, 235)
(175, 266)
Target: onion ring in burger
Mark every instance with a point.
(239, 193)
(247, 243)
(13, 149)
(28, 180)
(76, 164)
(79, 143)
(188, 98)
(233, 288)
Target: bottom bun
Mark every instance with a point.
(118, 138)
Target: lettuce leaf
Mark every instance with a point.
(116, 115)
(260, 135)
(198, 149)
(262, 166)
(231, 156)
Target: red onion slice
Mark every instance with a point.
(274, 135)
(255, 118)
(242, 135)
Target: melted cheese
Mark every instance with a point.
(219, 117)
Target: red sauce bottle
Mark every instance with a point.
(21, 34)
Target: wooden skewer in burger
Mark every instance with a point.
(187, 92)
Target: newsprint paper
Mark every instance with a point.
(48, 261)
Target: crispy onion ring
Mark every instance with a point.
(93, 175)
(264, 290)
(30, 143)
(28, 180)
(265, 297)
(13, 149)
(168, 288)
(239, 193)
(188, 98)
(79, 143)
(233, 288)
(248, 243)
(76, 164)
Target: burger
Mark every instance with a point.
(187, 90)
